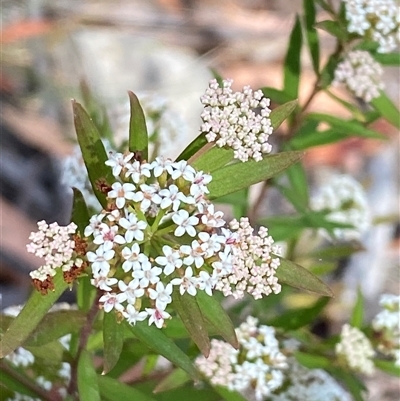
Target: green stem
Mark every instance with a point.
(83, 339)
(39, 391)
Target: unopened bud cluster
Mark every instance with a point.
(361, 74)
(386, 325)
(375, 20)
(237, 120)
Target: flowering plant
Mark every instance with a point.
(158, 269)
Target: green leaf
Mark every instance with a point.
(114, 390)
(175, 379)
(215, 314)
(213, 159)
(30, 316)
(292, 62)
(93, 152)
(334, 28)
(281, 113)
(351, 127)
(388, 367)
(298, 183)
(229, 395)
(387, 58)
(387, 109)
(80, 213)
(55, 325)
(85, 293)
(355, 386)
(193, 147)
(295, 318)
(312, 34)
(217, 76)
(357, 315)
(192, 318)
(317, 138)
(52, 352)
(297, 276)
(337, 251)
(276, 95)
(290, 195)
(113, 339)
(138, 137)
(312, 361)
(328, 72)
(237, 176)
(87, 379)
(156, 340)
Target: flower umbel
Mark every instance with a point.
(361, 74)
(230, 119)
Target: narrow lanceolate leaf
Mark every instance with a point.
(215, 314)
(297, 276)
(292, 62)
(193, 147)
(88, 387)
(312, 361)
(276, 95)
(113, 390)
(387, 58)
(357, 315)
(332, 27)
(312, 34)
(156, 340)
(298, 183)
(387, 109)
(55, 325)
(93, 152)
(281, 113)
(213, 159)
(191, 316)
(351, 127)
(175, 379)
(30, 316)
(138, 137)
(237, 176)
(80, 214)
(388, 367)
(113, 340)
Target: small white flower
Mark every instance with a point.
(112, 301)
(132, 315)
(182, 169)
(185, 223)
(160, 164)
(187, 283)
(161, 294)
(108, 234)
(134, 227)
(118, 161)
(172, 196)
(157, 316)
(195, 254)
(138, 171)
(122, 192)
(95, 224)
(147, 274)
(133, 258)
(149, 195)
(104, 282)
(99, 260)
(132, 290)
(211, 244)
(206, 282)
(170, 261)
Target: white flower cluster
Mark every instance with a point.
(160, 231)
(253, 261)
(387, 325)
(378, 20)
(309, 384)
(257, 366)
(238, 120)
(56, 245)
(346, 201)
(24, 360)
(355, 350)
(361, 74)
